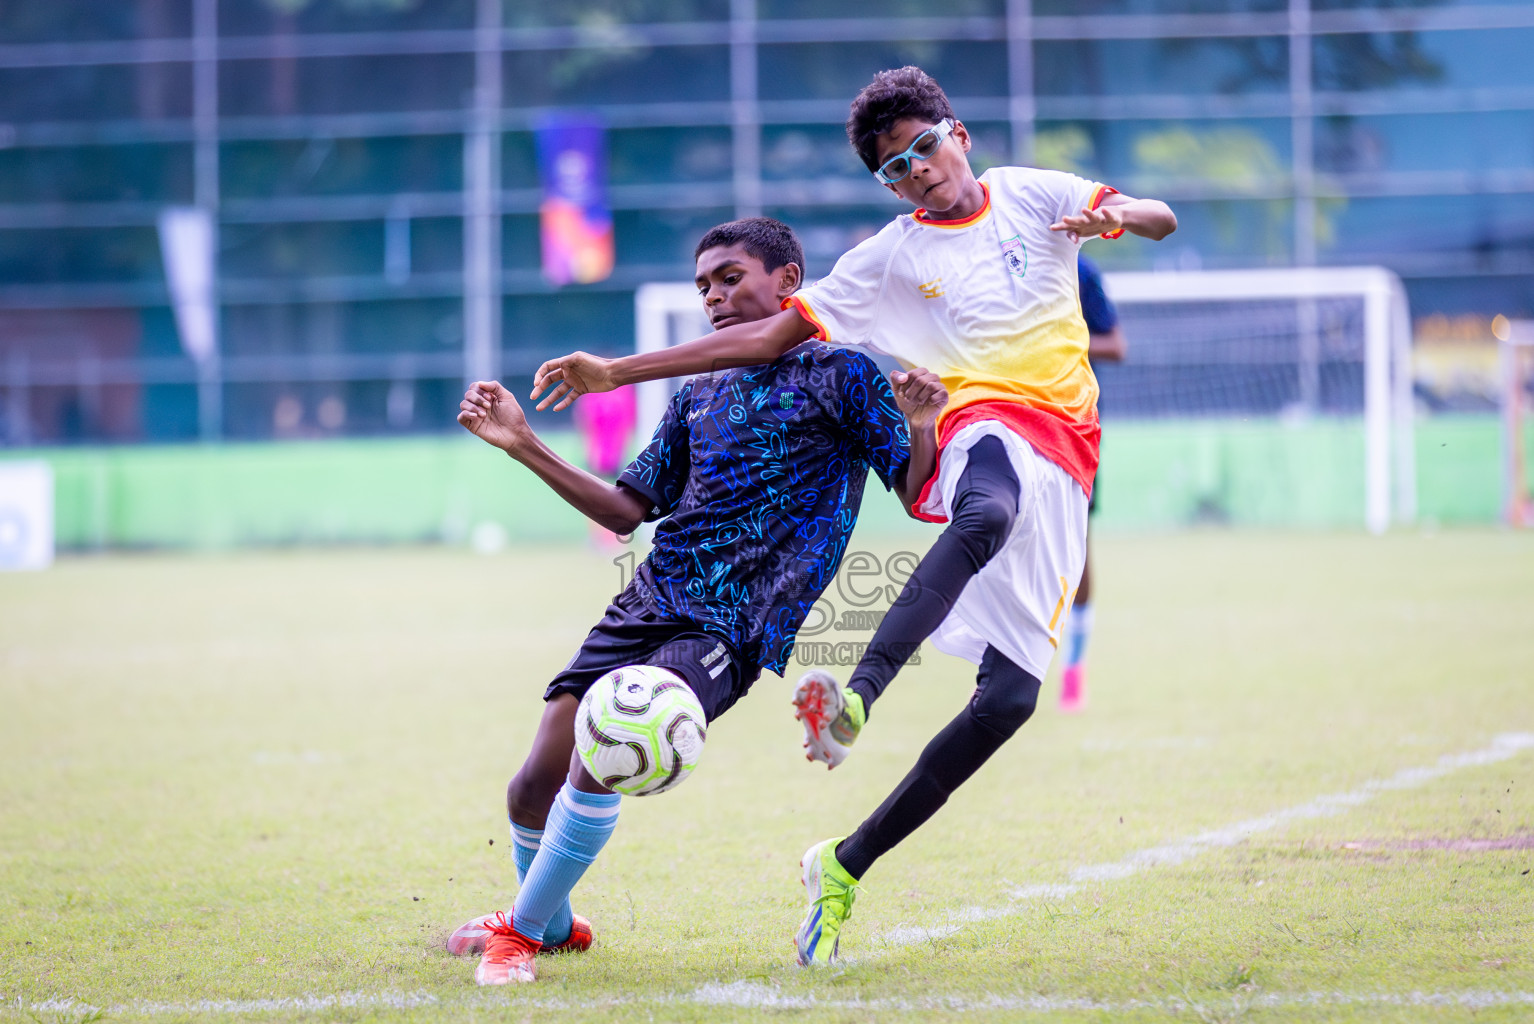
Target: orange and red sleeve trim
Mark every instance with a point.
(801, 307)
(1103, 192)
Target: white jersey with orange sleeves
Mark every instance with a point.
(989, 303)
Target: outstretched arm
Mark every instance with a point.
(1148, 218)
(490, 412)
(921, 396)
(760, 341)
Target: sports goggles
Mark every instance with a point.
(922, 148)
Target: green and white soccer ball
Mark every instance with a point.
(640, 730)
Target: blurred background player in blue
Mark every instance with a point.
(1105, 344)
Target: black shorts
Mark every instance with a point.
(632, 633)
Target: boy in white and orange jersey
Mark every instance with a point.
(979, 284)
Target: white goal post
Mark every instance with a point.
(1517, 364)
(1389, 445)
(665, 314)
(1254, 343)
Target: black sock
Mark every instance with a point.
(1004, 699)
(985, 507)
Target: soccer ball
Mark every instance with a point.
(639, 730)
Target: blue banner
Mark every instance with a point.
(576, 226)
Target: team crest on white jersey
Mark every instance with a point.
(1015, 255)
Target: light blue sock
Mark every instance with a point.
(524, 847)
(578, 826)
(1078, 629)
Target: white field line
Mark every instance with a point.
(240, 1007)
(1502, 747)
(752, 995)
(755, 995)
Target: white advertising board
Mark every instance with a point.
(26, 515)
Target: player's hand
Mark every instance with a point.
(570, 377)
(1104, 220)
(491, 413)
(920, 395)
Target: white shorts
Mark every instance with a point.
(1019, 601)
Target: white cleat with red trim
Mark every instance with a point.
(832, 716)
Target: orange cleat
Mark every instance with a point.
(579, 941)
(469, 938)
(508, 958)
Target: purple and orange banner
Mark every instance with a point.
(576, 225)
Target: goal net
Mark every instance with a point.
(1516, 341)
(1280, 396)
(1274, 397)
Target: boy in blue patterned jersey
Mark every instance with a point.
(756, 475)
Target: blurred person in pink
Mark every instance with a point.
(606, 427)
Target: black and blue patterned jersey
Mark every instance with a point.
(758, 474)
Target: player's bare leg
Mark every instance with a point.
(578, 826)
(529, 796)
(531, 791)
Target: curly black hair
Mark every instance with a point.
(771, 241)
(897, 95)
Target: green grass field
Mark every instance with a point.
(265, 786)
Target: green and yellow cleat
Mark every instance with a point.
(831, 891)
(832, 717)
